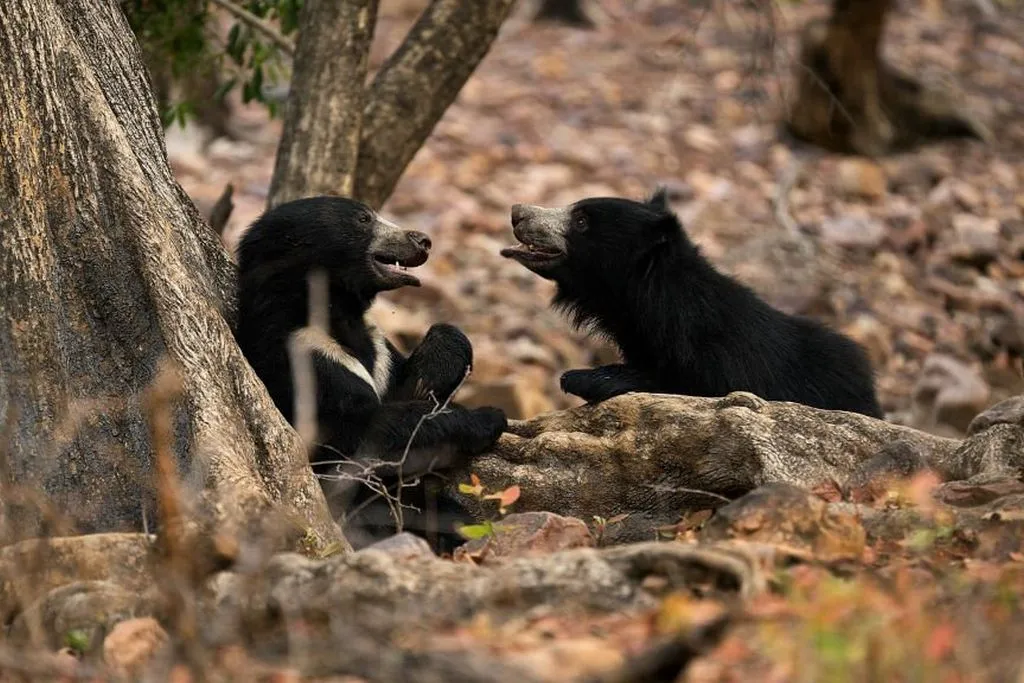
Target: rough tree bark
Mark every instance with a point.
(408, 96)
(569, 12)
(320, 141)
(106, 270)
(848, 100)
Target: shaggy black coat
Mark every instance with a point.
(627, 269)
(369, 397)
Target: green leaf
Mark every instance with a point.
(77, 640)
(236, 46)
(224, 88)
(474, 531)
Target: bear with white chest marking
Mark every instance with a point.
(370, 399)
(628, 269)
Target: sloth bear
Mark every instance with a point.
(369, 397)
(628, 270)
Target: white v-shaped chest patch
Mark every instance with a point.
(319, 340)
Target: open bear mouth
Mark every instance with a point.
(533, 255)
(394, 269)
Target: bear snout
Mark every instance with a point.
(420, 240)
(521, 212)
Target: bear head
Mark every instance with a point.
(595, 240)
(363, 252)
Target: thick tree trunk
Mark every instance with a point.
(569, 12)
(106, 269)
(320, 142)
(849, 100)
(418, 83)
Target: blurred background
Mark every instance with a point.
(917, 255)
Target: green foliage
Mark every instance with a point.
(182, 47)
(488, 528)
(77, 641)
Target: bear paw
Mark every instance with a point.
(491, 424)
(590, 386)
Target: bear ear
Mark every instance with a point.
(659, 200)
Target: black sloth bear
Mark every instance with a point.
(629, 270)
(369, 397)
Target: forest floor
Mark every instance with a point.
(918, 256)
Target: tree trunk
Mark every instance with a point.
(418, 83)
(569, 12)
(320, 142)
(106, 270)
(850, 101)
(329, 145)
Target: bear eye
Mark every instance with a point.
(579, 223)
(364, 217)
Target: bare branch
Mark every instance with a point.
(283, 43)
(319, 145)
(221, 211)
(417, 84)
(780, 203)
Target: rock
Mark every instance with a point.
(92, 607)
(402, 546)
(791, 517)
(978, 242)
(853, 230)
(874, 477)
(530, 533)
(655, 457)
(949, 392)
(516, 396)
(1009, 411)
(132, 644)
(45, 564)
(364, 600)
(857, 177)
(969, 493)
(384, 589)
(966, 195)
(701, 138)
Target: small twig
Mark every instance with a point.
(683, 489)
(438, 409)
(780, 203)
(221, 211)
(366, 474)
(282, 42)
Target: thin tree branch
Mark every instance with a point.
(283, 43)
(417, 84)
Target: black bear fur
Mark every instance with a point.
(369, 397)
(627, 269)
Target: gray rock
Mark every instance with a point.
(654, 457)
